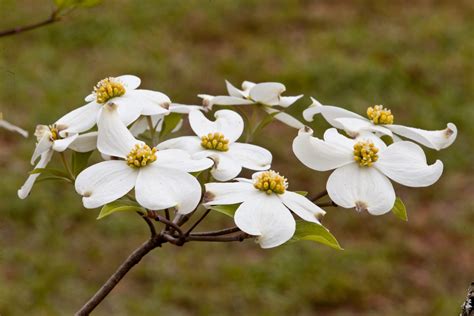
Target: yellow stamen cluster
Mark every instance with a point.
(52, 130)
(380, 115)
(215, 141)
(107, 89)
(141, 155)
(365, 153)
(271, 182)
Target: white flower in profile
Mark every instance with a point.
(13, 128)
(267, 94)
(217, 140)
(160, 177)
(363, 167)
(50, 140)
(380, 120)
(122, 91)
(266, 204)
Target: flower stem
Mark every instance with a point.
(152, 129)
(66, 166)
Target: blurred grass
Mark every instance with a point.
(415, 57)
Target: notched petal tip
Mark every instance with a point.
(166, 105)
(208, 197)
(361, 206)
(305, 130)
(110, 107)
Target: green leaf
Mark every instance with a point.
(315, 232)
(228, 210)
(119, 206)
(266, 120)
(51, 171)
(399, 210)
(303, 193)
(51, 178)
(79, 161)
(66, 4)
(169, 123)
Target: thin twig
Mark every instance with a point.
(54, 17)
(239, 237)
(319, 196)
(150, 224)
(197, 222)
(220, 232)
(169, 223)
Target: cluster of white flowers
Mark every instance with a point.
(165, 175)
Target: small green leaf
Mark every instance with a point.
(169, 123)
(266, 120)
(399, 210)
(303, 193)
(79, 161)
(119, 206)
(228, 210)
(51, 178)
(51, 171)
(315, 232)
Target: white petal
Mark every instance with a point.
(433, 139)
(44, 144)
(181, 160)
(227, 122)
(329, 112)
(61, 145)
(405, 163)
(368, 136)
(91, 97)
(233, 91)
(267, 93)
(226, 100)
(25, 190)
(184, 108)
(320, 155)
(129, 107)
(301, 206)
(332, 136)
(225, 167)
(229, 193)
(159, 188)
(114, 138)
(355, 125)
(251, 156)
(247, 86)
(265, 216)
(8, 126)
(105, 182)
(85, 142)
(153, 102)
(364, 188)
(80, 119)
(191, 144)
(285, 118)
(287, 101)
(129, 81)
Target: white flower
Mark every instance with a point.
(50, 140)
(267, 94)
(266, 204)
(122, 91)
(380, 120)
(364, 166)
(160, 177)
(141, 125)
(217, 140)
(13, 128)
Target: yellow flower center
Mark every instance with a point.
(52, 130)
(215, 141)
(107, 89)
(365, 153)
(141, 155)
(380, 115)
(271, 182)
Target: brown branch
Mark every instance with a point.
(115, 278)
(224, 231)
(197, 222)
(54, 17)
(240, 237)
(150, 224)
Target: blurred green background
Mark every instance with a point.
(415, 57)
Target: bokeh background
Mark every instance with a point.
(415, 57)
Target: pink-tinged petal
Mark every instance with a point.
(364, 188)
(225, 167)
(61, 145)
(160, 188)
(329, 112)
(354, 126)
(233, 91)
(301, 206)
(229, 193)
(191, 144)
(250, 156)
(405, 163)
(105, 182)
(25, 190)
(267, 93)
(85, 142)
(318, 154)
(287, 101)
(80, 119)
(227, 122)
(433, 139)
(266, 217)
(129, 81)
(181, 160)
(114, 138)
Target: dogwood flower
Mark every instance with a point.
(363, 167)
(380, 120)
(266, 204)
(50, 140)
(122, 91)
(267, 94)
(13, 128)
(217, 140)
(160, 177)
